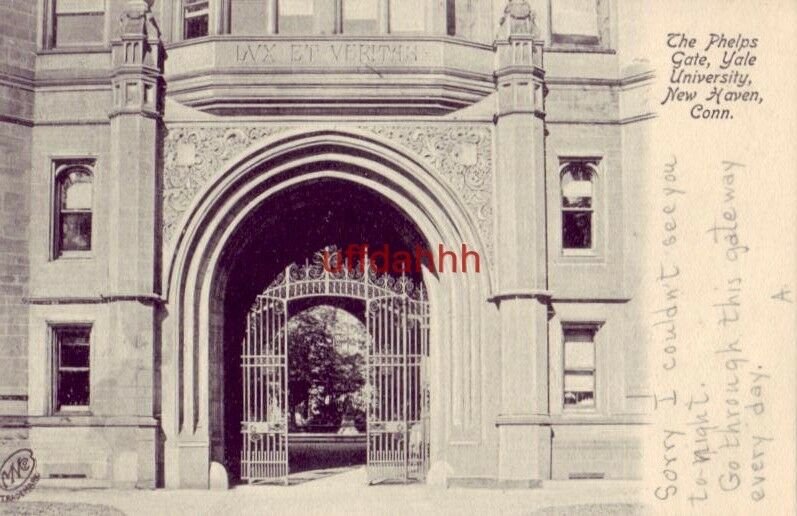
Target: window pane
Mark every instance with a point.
(195, 7)
(577, 186)
(73, 388)
(360, 16)
(74, 356)
(195, 18)
(74, 336)
(576, 193)
(76, 190)
(579, 335)
(79, 29)
(407, 15)
(296, 16)
(579, 390)
(579, 355)
(575, 17)
(75, 232)
(579, 381)
(249, 17)
(196, 27)
(576, 230)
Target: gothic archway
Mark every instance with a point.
(194, 328)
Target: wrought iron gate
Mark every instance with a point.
(397, 319)
(264, 360)
(398, 412)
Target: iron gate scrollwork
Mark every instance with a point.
(264, 360)
(397, 320)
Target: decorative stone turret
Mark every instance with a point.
(519, 67)
(522, 296)
(137, 60)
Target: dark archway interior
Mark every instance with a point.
(290, 228)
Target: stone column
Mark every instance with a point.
(133, 242)
(522, 297)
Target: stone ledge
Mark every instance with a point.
(570, 420)
(493, 483)
(88, 421)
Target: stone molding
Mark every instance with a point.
(461, 155)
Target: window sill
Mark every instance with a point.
(581, 260)
(581, 256)
(580, 411)
(74, 255)
(569, 419)
(77, 411)
(579, 252)
(84, 419)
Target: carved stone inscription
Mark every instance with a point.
(342, 53)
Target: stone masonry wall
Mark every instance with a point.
(17, 60)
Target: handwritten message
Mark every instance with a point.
(713, 75)
(716, 439)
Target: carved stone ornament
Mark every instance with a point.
(192, 157)
(461, 155)
(137, 20)
(518, 19)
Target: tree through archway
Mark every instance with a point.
(327, 347)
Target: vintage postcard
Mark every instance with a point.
(398, 257)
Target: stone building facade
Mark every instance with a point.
(153, 151)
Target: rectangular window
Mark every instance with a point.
(575, 21)
(249, 17)
(579, 367)
(78, 22)
(71, 361)
(196, 18)
(360, 16)
(407, 15)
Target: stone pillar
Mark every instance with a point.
(522, 297)
(133, 241)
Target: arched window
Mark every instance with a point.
(73, 210)
(578, 205)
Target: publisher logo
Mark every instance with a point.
(18, 475)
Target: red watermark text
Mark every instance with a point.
(383, 260)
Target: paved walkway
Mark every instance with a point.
(343, 493)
